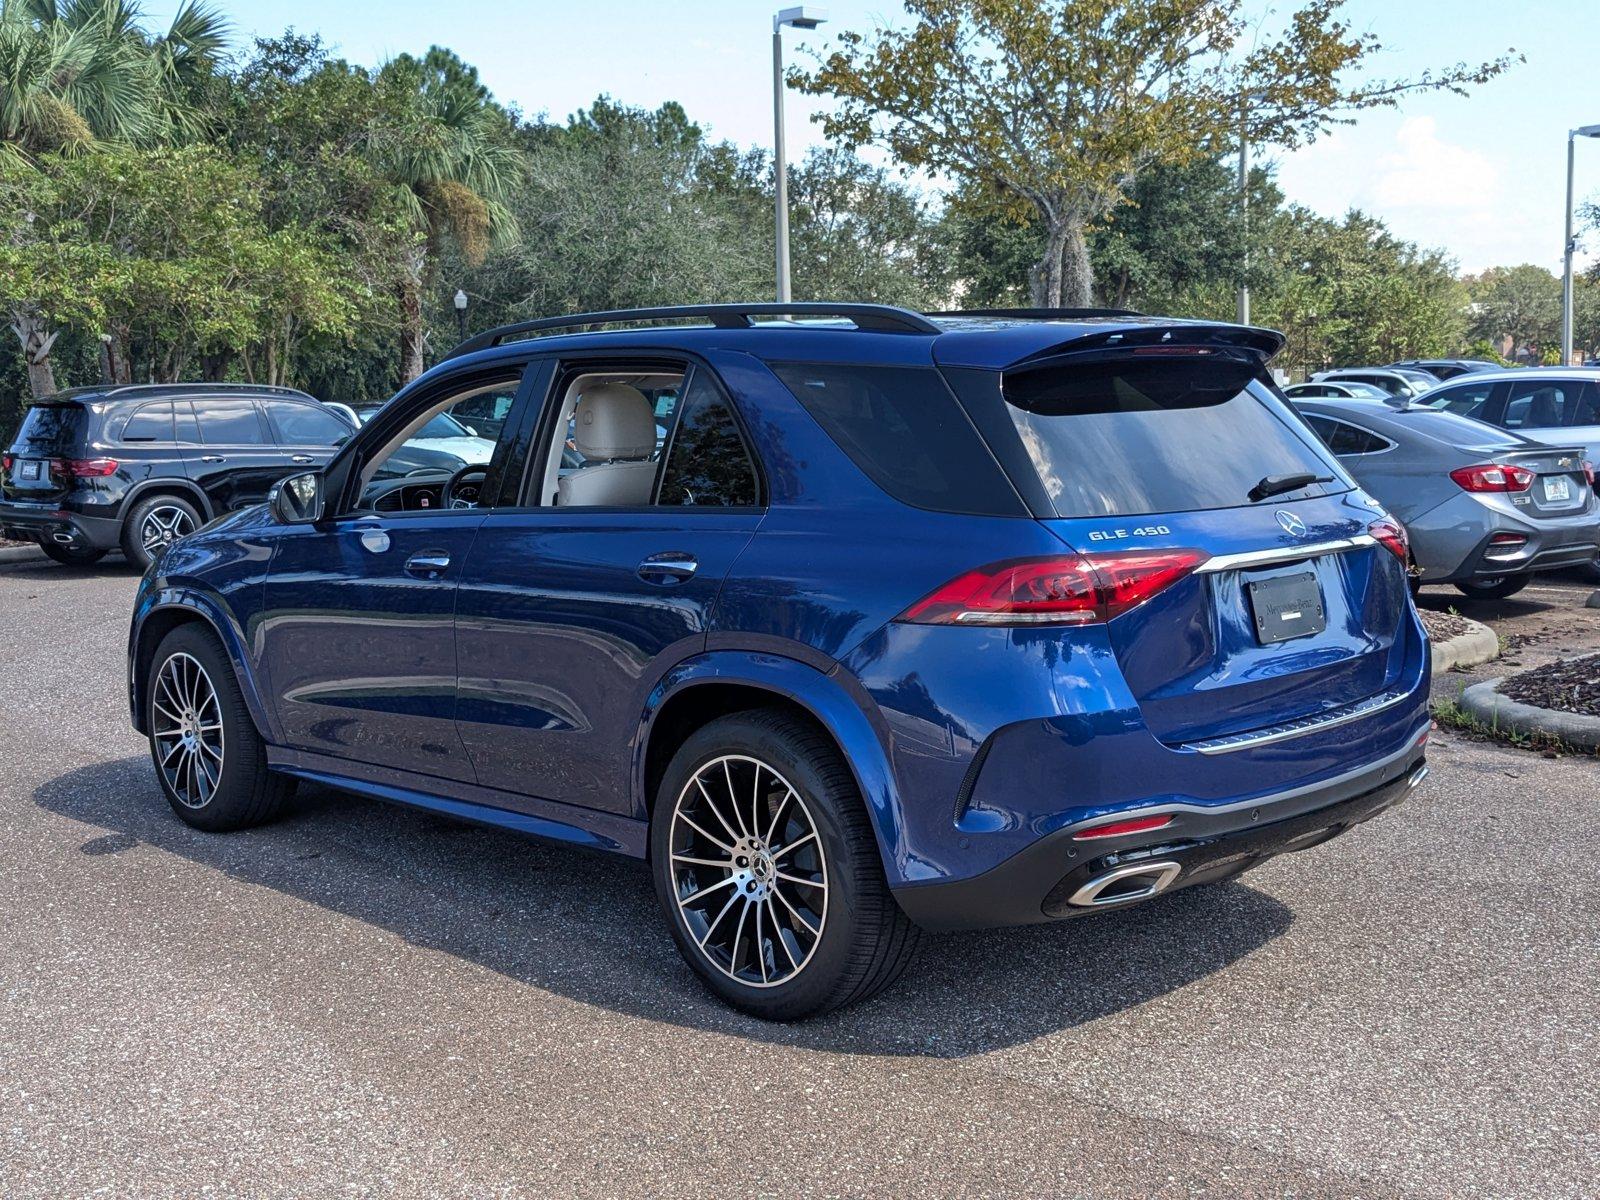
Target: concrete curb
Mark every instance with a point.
(1477, 646)
(1485, 705)
(16, 554)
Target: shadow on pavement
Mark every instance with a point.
(586, 925)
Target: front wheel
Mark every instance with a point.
(1493, 587)
(768, 870)
(72, 556)
(210, 761)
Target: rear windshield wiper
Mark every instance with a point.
(1275, 485)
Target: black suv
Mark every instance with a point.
(138, 466)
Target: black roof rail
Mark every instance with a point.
(877, 318)
(1039, 314)
(116, 389)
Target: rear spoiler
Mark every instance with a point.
(1237, 342)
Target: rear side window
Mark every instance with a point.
(1129, 436)
(1535, 404)
(52, 429)
(229, 423)
(907, 433)
(304, 424)
(1344, 438)
(709, 465)
(150, 423)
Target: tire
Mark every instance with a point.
(72, 556)
(818, 948)
(1494, 587)
(210, 761)
(155, 523)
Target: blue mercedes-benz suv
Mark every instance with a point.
(849, 620)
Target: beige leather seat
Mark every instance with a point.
(614, 428)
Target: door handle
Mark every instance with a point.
(301, 458)
(673, 566)
(428, 564)
(212, 458)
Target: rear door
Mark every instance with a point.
(49, 433)
(566, 615)
(1295, 610)
(235, 461)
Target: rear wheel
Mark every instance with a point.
(769, 873)
(72, 556)
(154, 524)
(1493, 587)
(209, 758)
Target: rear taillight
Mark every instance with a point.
(1392, 536)
(1493, 477)
(1588, 471)
(1071, 590)
(5, 462)
(87, 468)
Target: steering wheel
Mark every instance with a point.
(462, 490)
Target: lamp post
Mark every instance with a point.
(804, 16)
(461, 314)
(1588, 131)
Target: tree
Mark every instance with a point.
(1049, 110)
(445, 145)
(1522, 304)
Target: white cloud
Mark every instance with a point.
(1427, 172)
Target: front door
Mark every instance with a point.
(569, 612)
(358, 631)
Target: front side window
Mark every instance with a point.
(1465, 401)
(414, 470)
(708, 465)
(229, 423)
(304, 424)
(1134, 436)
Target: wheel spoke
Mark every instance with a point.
(813, 930)
(710, 837)
(777, 933)
(725, 863)
(693, 897)
(738, 935)
(715, 811)
(794, 845)
(772, 827)
(761, 954)
(733, 796)
(717, 920)
(810, 883)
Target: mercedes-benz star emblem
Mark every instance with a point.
(1292, 524)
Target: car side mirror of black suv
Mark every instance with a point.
(298, 499)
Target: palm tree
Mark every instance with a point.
(77, 72)
(445, 145)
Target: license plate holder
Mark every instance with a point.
(30, 469)
(1287, 607)
(1557, 489)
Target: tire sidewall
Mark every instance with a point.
(813, 988)
(132, 545)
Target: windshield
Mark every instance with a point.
(1125, 437)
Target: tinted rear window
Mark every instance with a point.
(52, 429)
(1124, 437)
(907, 433)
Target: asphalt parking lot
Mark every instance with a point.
(364, 1000)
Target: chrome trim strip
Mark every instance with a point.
(1279, 554)
(1375, 769)
(1294, 729)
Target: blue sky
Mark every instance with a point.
(1482, 177)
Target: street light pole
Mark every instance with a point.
(1570, 245)
(1244, 216)
(803, 17)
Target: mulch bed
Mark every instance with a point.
(1442, 626)
(1567, 685)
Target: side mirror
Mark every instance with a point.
(472, 429)
(298, 499)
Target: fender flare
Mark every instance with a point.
(196, 603)
(826, 697)
(186, 488)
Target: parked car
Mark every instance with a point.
(136, 467)
(1348, 389)
(1485, 509)
(445, 434)
(1448, 368)
(910, 623)
(1403, 384)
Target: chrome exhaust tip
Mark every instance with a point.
(1417, 776)
(1126, 884)
(66, 539)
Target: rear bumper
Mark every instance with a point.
(1548, 545)
(50, 523)
(1060, 876)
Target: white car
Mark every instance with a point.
(1403, 383)
(448, 435)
